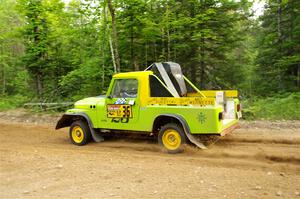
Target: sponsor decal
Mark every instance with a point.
(120, 101)
(119, 111)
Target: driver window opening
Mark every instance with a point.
(125, 88)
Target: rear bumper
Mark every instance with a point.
(229, 129)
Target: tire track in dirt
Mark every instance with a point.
(236, 149)
(38, 162)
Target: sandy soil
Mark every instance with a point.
(256, 161)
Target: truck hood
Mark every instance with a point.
(90, 101)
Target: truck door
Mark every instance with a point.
(122, 104)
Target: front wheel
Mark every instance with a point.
(80, 133)
(172, 138)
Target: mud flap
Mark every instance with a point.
(195, 141)
(96, 136)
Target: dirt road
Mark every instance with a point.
(38, 162)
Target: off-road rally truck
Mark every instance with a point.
(159, 101)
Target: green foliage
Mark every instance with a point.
(202, 36)
(53, 52)
(11, 102)
(11, 49)
(281, 106)
(75, 85)
(278, 43)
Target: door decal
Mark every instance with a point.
(119, 111)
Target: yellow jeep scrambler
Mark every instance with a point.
(159, 101)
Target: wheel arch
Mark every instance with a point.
(163, 119)
(67, 119)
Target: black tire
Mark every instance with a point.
(172, 138)
(80, 133)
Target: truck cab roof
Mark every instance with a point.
(169, 73)
(133, 74)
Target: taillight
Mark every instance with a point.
(238, 107)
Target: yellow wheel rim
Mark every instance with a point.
(77, 134)
(171, 139)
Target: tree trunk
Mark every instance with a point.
(146, 54)
(155, 52)
(202, 44)
(132, 56)
(168, 45)
(4, 82)
(38, 70)
(193, 74)
(296, 71)
(193, 64)
(3, 71)
(174, 48)
(39, 86)
(298, 76)
(202, 64)
(112, 54)
(279, 35)
(104, 37)
(136, 65)
(168, 37)
(163, 51)
(114, 36)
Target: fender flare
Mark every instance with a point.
(186, 129)
(184, 124)
(68, 118)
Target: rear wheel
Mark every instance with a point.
(172, 138)
(80, 133)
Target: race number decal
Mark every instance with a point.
(119, 111)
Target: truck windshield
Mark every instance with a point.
(125, 88)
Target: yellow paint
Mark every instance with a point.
(193, 95)
(228, 93)
(143, 78)
(77, 134)
(202, 98)
(136, 74)
(171, 139)
(181, 101)
(144, 87)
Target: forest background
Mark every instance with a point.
(58, 51)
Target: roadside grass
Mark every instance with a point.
(12, 102)
(282, 106)
(18, 101)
